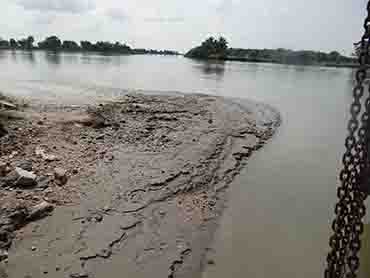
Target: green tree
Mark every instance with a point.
(222, 45)
(30, 40)
(334, 56)
(52, 43)
(22, 43)
(70, 46)
(86, 45)
(13, 43)
(253, 54)
(210, 48)
(4, 44)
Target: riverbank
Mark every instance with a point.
(134, 51)
(133, 186)
(250, 60)
(331, 65)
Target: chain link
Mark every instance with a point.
(343, 260)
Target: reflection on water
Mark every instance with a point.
(278, 223)
(21, 56)
(14, 55)
(30, 57)
(53, 58)
(213, 67)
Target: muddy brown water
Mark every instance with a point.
(277, 221)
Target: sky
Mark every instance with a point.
(181, 24)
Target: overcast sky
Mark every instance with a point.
(180, 24)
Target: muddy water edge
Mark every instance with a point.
(149, 203)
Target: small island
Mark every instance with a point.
(53, 43)
(218, 49)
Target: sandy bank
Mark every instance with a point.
(145, 184)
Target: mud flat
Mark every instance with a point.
(128, 188)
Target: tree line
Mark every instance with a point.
(53, 43)
(210, 48)
(288, 56)
(213, 48)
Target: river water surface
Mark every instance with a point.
(277, 222)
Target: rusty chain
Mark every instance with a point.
(343, 259)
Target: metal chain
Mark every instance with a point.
(343, 260)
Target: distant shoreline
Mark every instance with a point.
(107, 53)
(54, 44)
(249, 60)
(162, 53)
(219, 49)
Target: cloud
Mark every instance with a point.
(66, 6)
(117, 15)
(177, 24)
(225, 6)
(164, 19)
(44, 19)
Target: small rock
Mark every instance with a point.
(3, 169)
(210, 121)
(36, 198)
(19, 216)
(75, 171)
(7, 105)
(79, 275)
(33, 248)
(100, 137)
(110, 157)
(43, 182)
(40, 122)
(25, 165)
(13, 154)
(116, 126)
(47, 157)
(3, 130)
(98, 218)
(60, 175)
(25, 178)
(49, 190)
(39, 151)
(50, 157)
(57, 268)
(40, 210)
(106, 208)
(212, 203)
(211, 262)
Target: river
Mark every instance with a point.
(278, 218)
